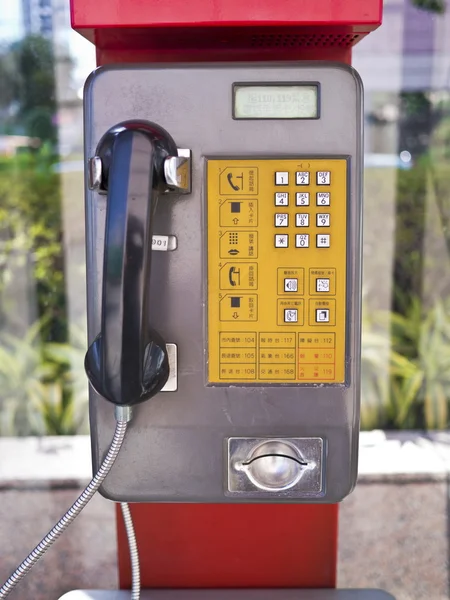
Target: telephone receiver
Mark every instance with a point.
(127, 362)
(230, 181)
(234, 276)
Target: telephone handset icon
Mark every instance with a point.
(234, 276)
(235, 187)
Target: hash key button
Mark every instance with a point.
(323, 241)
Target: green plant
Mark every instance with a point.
(374, 373)
(420, 367)
(59, 411)
(22, 371)
(406, 368)
(31, 230)
(435, 6)
(40, 392)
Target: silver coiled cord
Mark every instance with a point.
(134, 553)
(122, 417)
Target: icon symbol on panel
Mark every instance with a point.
(291, 315)
(322, 315)
(322, 285)
(235, 208)
(291, 285)
(233, 240)
(234, 276)
(235, 187)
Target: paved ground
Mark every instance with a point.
(395, 537)
(392, 536)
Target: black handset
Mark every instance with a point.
(127, 363)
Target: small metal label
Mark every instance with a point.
(164, 243)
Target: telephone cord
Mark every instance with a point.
(134, 553)
(122, 418)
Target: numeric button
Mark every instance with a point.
(302, 241)
(281, 199)
(281, 178)
(302, 220)
(302, 198)
(323, 177)
(302, 178)
(323, 199)
(323, 220)
(281, 220)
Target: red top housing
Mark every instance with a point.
(208, 30)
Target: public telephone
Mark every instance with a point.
(248, 177)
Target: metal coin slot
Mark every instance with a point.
(274, 465)
(288, 466)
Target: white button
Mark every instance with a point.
(322, 315)
(281, 199)
(302, 241)
(302, 219)
(323, 177)
(290, 315)
(281, 220)
(291, 285)
(302, 177)
(281, 178)
(322, 285)
(323, 241)
(281, 241)
(302, 198)
(323, 199)
(323, 220)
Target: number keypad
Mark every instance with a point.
(312, 219)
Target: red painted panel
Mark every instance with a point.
(232, 545)
(138, 13)
(291, 28)
(114, 56)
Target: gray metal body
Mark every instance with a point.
(176, 447)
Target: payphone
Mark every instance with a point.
(223, 226)
(257, 293)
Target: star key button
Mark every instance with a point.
(281, 241)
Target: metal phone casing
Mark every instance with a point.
(176, 446)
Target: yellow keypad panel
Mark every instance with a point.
(277, 264)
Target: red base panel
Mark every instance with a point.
(232, 546)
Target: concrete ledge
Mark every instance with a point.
(394, 456)
(53, 461)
